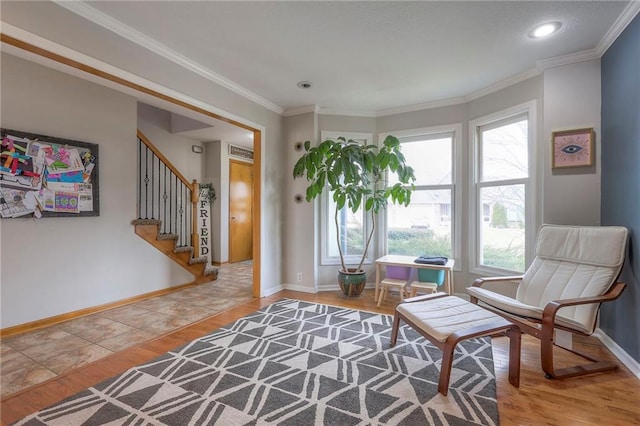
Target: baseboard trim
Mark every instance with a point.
(621, 354)
(45, 322)
(336, 287)
(298, 287)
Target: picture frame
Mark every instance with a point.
(572, 148)
(47, 176)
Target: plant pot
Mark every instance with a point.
(352, 282)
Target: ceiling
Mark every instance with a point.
(369, 58)
(365, 57)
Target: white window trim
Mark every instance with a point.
(325, 258)
(531, 195)
(456, 164)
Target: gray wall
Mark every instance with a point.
(621, 177)
(52, 266)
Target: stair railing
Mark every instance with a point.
(164, 194)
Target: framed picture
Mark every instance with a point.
(573, 148)
(46, 176)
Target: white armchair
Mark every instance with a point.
(575, 270)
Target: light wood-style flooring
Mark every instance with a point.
(611, 398)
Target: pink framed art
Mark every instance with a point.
(572, 148)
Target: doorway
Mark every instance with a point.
(240, 211)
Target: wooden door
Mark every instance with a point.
(240, 211)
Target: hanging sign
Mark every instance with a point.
(204, 223)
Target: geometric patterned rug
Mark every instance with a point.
(294, 363)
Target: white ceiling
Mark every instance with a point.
(365, 57)
(368, 58)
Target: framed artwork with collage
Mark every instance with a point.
(45, 176)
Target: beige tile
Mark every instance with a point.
(95, 328)
(12, 360)
(157, 322)
(123, 313)
(35, 338)
(50, 349)
(75, 358)
(20, 379)
(126, 340)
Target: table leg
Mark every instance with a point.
(449, 281)
(375, 294)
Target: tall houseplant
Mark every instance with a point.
(355, 175)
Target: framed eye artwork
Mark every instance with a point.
(572, 148)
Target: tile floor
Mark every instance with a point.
(33, 357)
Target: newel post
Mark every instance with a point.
(195, 238)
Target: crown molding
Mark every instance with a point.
(352, 113)
(97, 17)
(81, 60)
(585, 55)
(503, 84)
(625, 18)
(300, 110)
(420, 107)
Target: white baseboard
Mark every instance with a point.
(271, 290)
(625, 358)
(298, 287)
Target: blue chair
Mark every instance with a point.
(428, 281)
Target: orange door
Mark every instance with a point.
(240, 212)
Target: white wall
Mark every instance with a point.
(52, 266)
(46, 19)
(213, 173)
(572, 101)
(155, 124)
(299, 219)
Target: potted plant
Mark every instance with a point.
(355, 175)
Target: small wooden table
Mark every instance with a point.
(408, 261)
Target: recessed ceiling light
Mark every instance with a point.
(304, 84)
(545, 29)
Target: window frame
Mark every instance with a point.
(498, 119)
(455, 186)
(325, 201)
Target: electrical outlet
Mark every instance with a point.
(299, 277)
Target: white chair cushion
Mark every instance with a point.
(444, 316)
(594, 245)
(571, 262)
(517, 309)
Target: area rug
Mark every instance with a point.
(293, 363)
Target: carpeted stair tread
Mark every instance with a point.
(165, 237)
(201, 259)
(183, 249)
(146, 222)
(210, 270)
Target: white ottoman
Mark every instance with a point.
(447, 320)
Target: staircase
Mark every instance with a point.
(166, 211)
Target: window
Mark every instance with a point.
(428, 225)
(354, 225)
(502, 190)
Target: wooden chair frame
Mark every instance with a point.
(448, 346)
(544, 329)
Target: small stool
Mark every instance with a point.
(397, 277)
(428, 281)
(447, 320)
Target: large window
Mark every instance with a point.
(428, 225)
(502, 190)
(354, 226)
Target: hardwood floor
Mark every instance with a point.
(611, 398)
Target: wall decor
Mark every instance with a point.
(573, 148)
(45, 176)
(240, 152)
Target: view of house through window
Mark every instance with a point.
(503, 177)
(426, 225)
